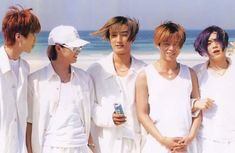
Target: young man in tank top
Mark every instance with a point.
(166, 88)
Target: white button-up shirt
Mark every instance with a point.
(43, 97)
(108, 91)
(13, 106)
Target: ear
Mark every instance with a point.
(58, 48)
(17, 36)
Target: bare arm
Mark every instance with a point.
(91, 144)
(196, 121)
(28, 137)
(142, 107)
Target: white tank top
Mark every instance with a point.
(169, 101)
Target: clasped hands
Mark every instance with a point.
(176, 144)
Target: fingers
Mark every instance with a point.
(179, 149)
(118, 118)
(209, 103)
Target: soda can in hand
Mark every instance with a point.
(118, 108)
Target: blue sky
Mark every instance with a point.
(92, 14)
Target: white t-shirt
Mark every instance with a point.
(65, 127)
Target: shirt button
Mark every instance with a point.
(13, 86)
(15, 119)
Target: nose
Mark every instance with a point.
(215, 44)
(119, 37)
(172, 46)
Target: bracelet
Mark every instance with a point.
(92, 145)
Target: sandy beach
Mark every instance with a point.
(85, 60)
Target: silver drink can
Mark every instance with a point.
(118, 108)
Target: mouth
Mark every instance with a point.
(216, 51)
(119, 46)
(169, 53)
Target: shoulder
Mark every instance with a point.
(25, 64)
(99, 68)
(139, 62)
(39, 73)
(141, 75)
(82, 74)
(199, 67)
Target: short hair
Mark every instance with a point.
(51, 52)
(19, 20)
(169, 30)
(201, 42)
(132, 24)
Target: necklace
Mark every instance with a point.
(219, 70)
(169, 73)
(123, 68)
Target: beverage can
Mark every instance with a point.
(118, 108)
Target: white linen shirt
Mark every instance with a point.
(218, 123)
(107, 88)
(13, 107)
(43, 96)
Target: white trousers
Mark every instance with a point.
(50, 149)
(213, 146)
(123, 145)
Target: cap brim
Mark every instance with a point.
(78, 43)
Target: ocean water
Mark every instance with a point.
(143, 43)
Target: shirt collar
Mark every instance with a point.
(109, 66)
(5, 62)
(51, 74)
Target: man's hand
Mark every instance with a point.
(204, 104)
(118, 118)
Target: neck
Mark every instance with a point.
(167, 69)
(63, 70)
(12, 52)
(166, 65)
(219, 64)
(122, 63)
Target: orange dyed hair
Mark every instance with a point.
(169, 31)
(19, 20)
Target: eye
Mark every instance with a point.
(166, 44)
(124, 34)
(113, 35)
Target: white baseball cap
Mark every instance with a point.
(65, 35)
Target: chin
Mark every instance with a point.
(28, 51)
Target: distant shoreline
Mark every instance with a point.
(85, 60)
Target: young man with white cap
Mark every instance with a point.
(60, 98)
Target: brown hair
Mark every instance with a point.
(19, 20)
(169, 30)
(133, 27)
(51, 52)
